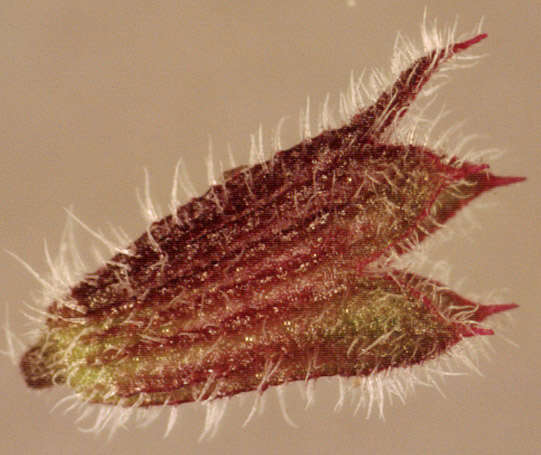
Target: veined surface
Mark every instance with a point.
(86, 218)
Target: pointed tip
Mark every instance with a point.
(465, 44)
(473, 330)
(493, 309)
(486, 181)
(495, 181)
(484, 311)
(476, 330)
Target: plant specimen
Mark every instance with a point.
(288, 270)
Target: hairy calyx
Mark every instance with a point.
(270, 277)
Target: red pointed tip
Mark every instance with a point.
(493, 309)
(494, 180)
(485, 181)
(476, 330)
(484, 311)
(465, 44)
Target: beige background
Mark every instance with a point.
(92, 92)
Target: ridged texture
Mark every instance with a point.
(271, 277)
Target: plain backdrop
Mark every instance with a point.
(93, 92)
